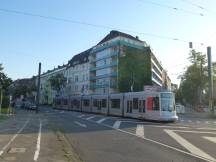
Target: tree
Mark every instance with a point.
(57, 82)
(5, 82)
(194, 80)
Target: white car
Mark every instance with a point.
(180, 109)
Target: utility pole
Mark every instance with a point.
(210, 77)
(38, 87)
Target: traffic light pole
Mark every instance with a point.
(38, 87)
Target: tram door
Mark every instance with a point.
(129, 106)
(99, 104)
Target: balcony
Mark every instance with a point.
(113, 74)
(113, 84)
(113, 53)
(114, 63)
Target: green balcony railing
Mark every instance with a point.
(113, 74)
(114, 63)
(113, 53)
(103, 85)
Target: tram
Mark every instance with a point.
(148, 105)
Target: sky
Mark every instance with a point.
(27, 40)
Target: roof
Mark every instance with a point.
(115, 33)
(80, 58)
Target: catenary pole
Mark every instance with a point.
(210, 78)
(38, 87)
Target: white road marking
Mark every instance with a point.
(182, 120)
(158, 143)
(61, 112)
(101, 120)
(207, 128)
(14, 137)
(80, 124)
(215, 122)
(187, 131)
(81, 116)
(117, 124)
(91, 117)
(193, 149)
(212, 139)
(37, 151)
(189, 121)
(140, 130)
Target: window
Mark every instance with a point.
(128, 106)
(76, 78)
(95, 103)
(115, 103)
(140, 106)
(65, 102)
(86, 102)
(135, 103)
(104, 103)
(143, 105)
(156, 103)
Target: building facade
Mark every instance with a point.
(118, 63)
(77, 74)
(108, 70)
(47, 94)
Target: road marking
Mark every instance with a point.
(183, 142)
(207, 122)
(117, 124)
(14, 137)
(80, 124)
(91, 117)
(155, 142)
(189, 121)
(61, 112)
(101, 120)
(37, 151)
(215, 122)
(81, 116)
(140, 130)
(207, 129)
(212, 139)
(182, 120)
(186, 131)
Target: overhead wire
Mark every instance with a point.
(171, 7)
(93, 25)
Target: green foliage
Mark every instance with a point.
(136, 72)
(57, 82)
(5, 101)
(194, 79)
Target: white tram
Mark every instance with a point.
(159, 106)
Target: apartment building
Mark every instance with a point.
(77, 74)
(47, 94)
(108, 65)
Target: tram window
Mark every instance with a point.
(95, 103)
(128, 106)
(144, 105)
(65, 102)
(86, 102)
(140, 106)
(135, 103)
(104, 103)
(156, 103)
(115, 103)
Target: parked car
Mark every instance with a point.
(180, 109)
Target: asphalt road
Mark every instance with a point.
(61, 136)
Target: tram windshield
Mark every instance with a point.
(167, 102)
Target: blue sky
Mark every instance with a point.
(26, 40)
